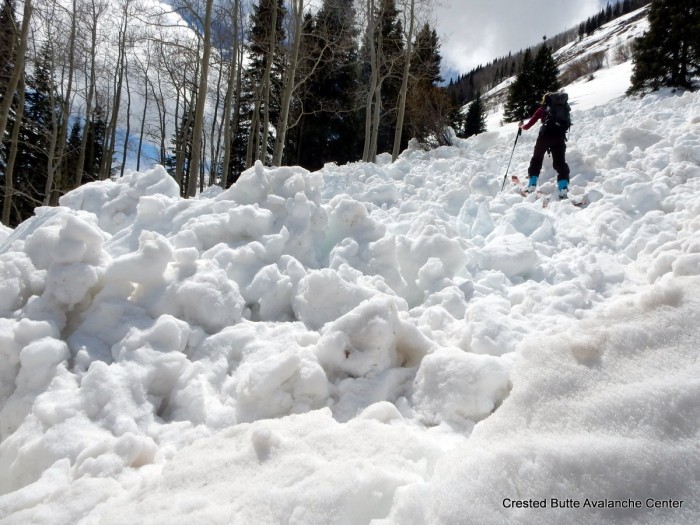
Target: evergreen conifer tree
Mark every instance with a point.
(72, 155)
(8, 35)
(425, 63)
(391, 65)
(8, 25)
(258, 52)
(522, 96)
(536, 77)
(42, 112)
(388, 44)
(668, 55)
(430, 109)
(95, 145)
(182, 146)
(545, 74)
(329, 130)
(475, 122)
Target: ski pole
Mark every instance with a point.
(520, 132)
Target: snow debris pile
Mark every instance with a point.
(335, 346)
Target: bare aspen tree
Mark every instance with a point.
(373, 22)
(51, 194)
(181, 127)
(376, 115)
(128, 116)
(410, 14)
(266, 34)
(49, 54)
(146, 84)
(20, 55)
(20, 49)
(174, 71)
(183, 134)
(201, 101)
(289, 80)
(215, 138)
(414, 13)
(14, 144)
(378, 60)
(200, 175)
(295, 75)
(175, 68)
(267, 84)
(185, 147)
(254, 132)
(232, 88)
(118, 81)
(96, 10)
(159, 99)
(163, 89)
(383, 48)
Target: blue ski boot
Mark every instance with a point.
(563, 186)
(531, 185)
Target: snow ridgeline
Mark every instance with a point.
(402, 298)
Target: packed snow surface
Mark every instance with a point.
(389, 343)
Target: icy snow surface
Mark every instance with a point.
(392, 342)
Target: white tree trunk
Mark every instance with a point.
(228, 104)
(110, 136)
(267, 85)
(14, 145)
(373, 81)
(289, 84)
(88, 102)
(201, 102)
(21, 51)
(404, 83)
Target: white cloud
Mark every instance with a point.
(474, 32)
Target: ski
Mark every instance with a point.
(579, 202)
(520, 187)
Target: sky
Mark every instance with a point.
(474, 32)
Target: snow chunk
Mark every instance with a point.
(39, 363)
(114, 203)
(146, 265)
(369, 339)
(513, 254)
(273, 288)
(278, 385)
(323, 296)
(637, 137)
(16, 276)
(458, 387)
(64, 238)
(4, 232)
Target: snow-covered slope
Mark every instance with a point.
(607, 47)
(617, 33)
(398, 342)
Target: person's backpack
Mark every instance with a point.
(558, 112)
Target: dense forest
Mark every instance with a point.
(206, 89)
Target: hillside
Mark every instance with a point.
(617, 14)
(583, 60)
(387, 343)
